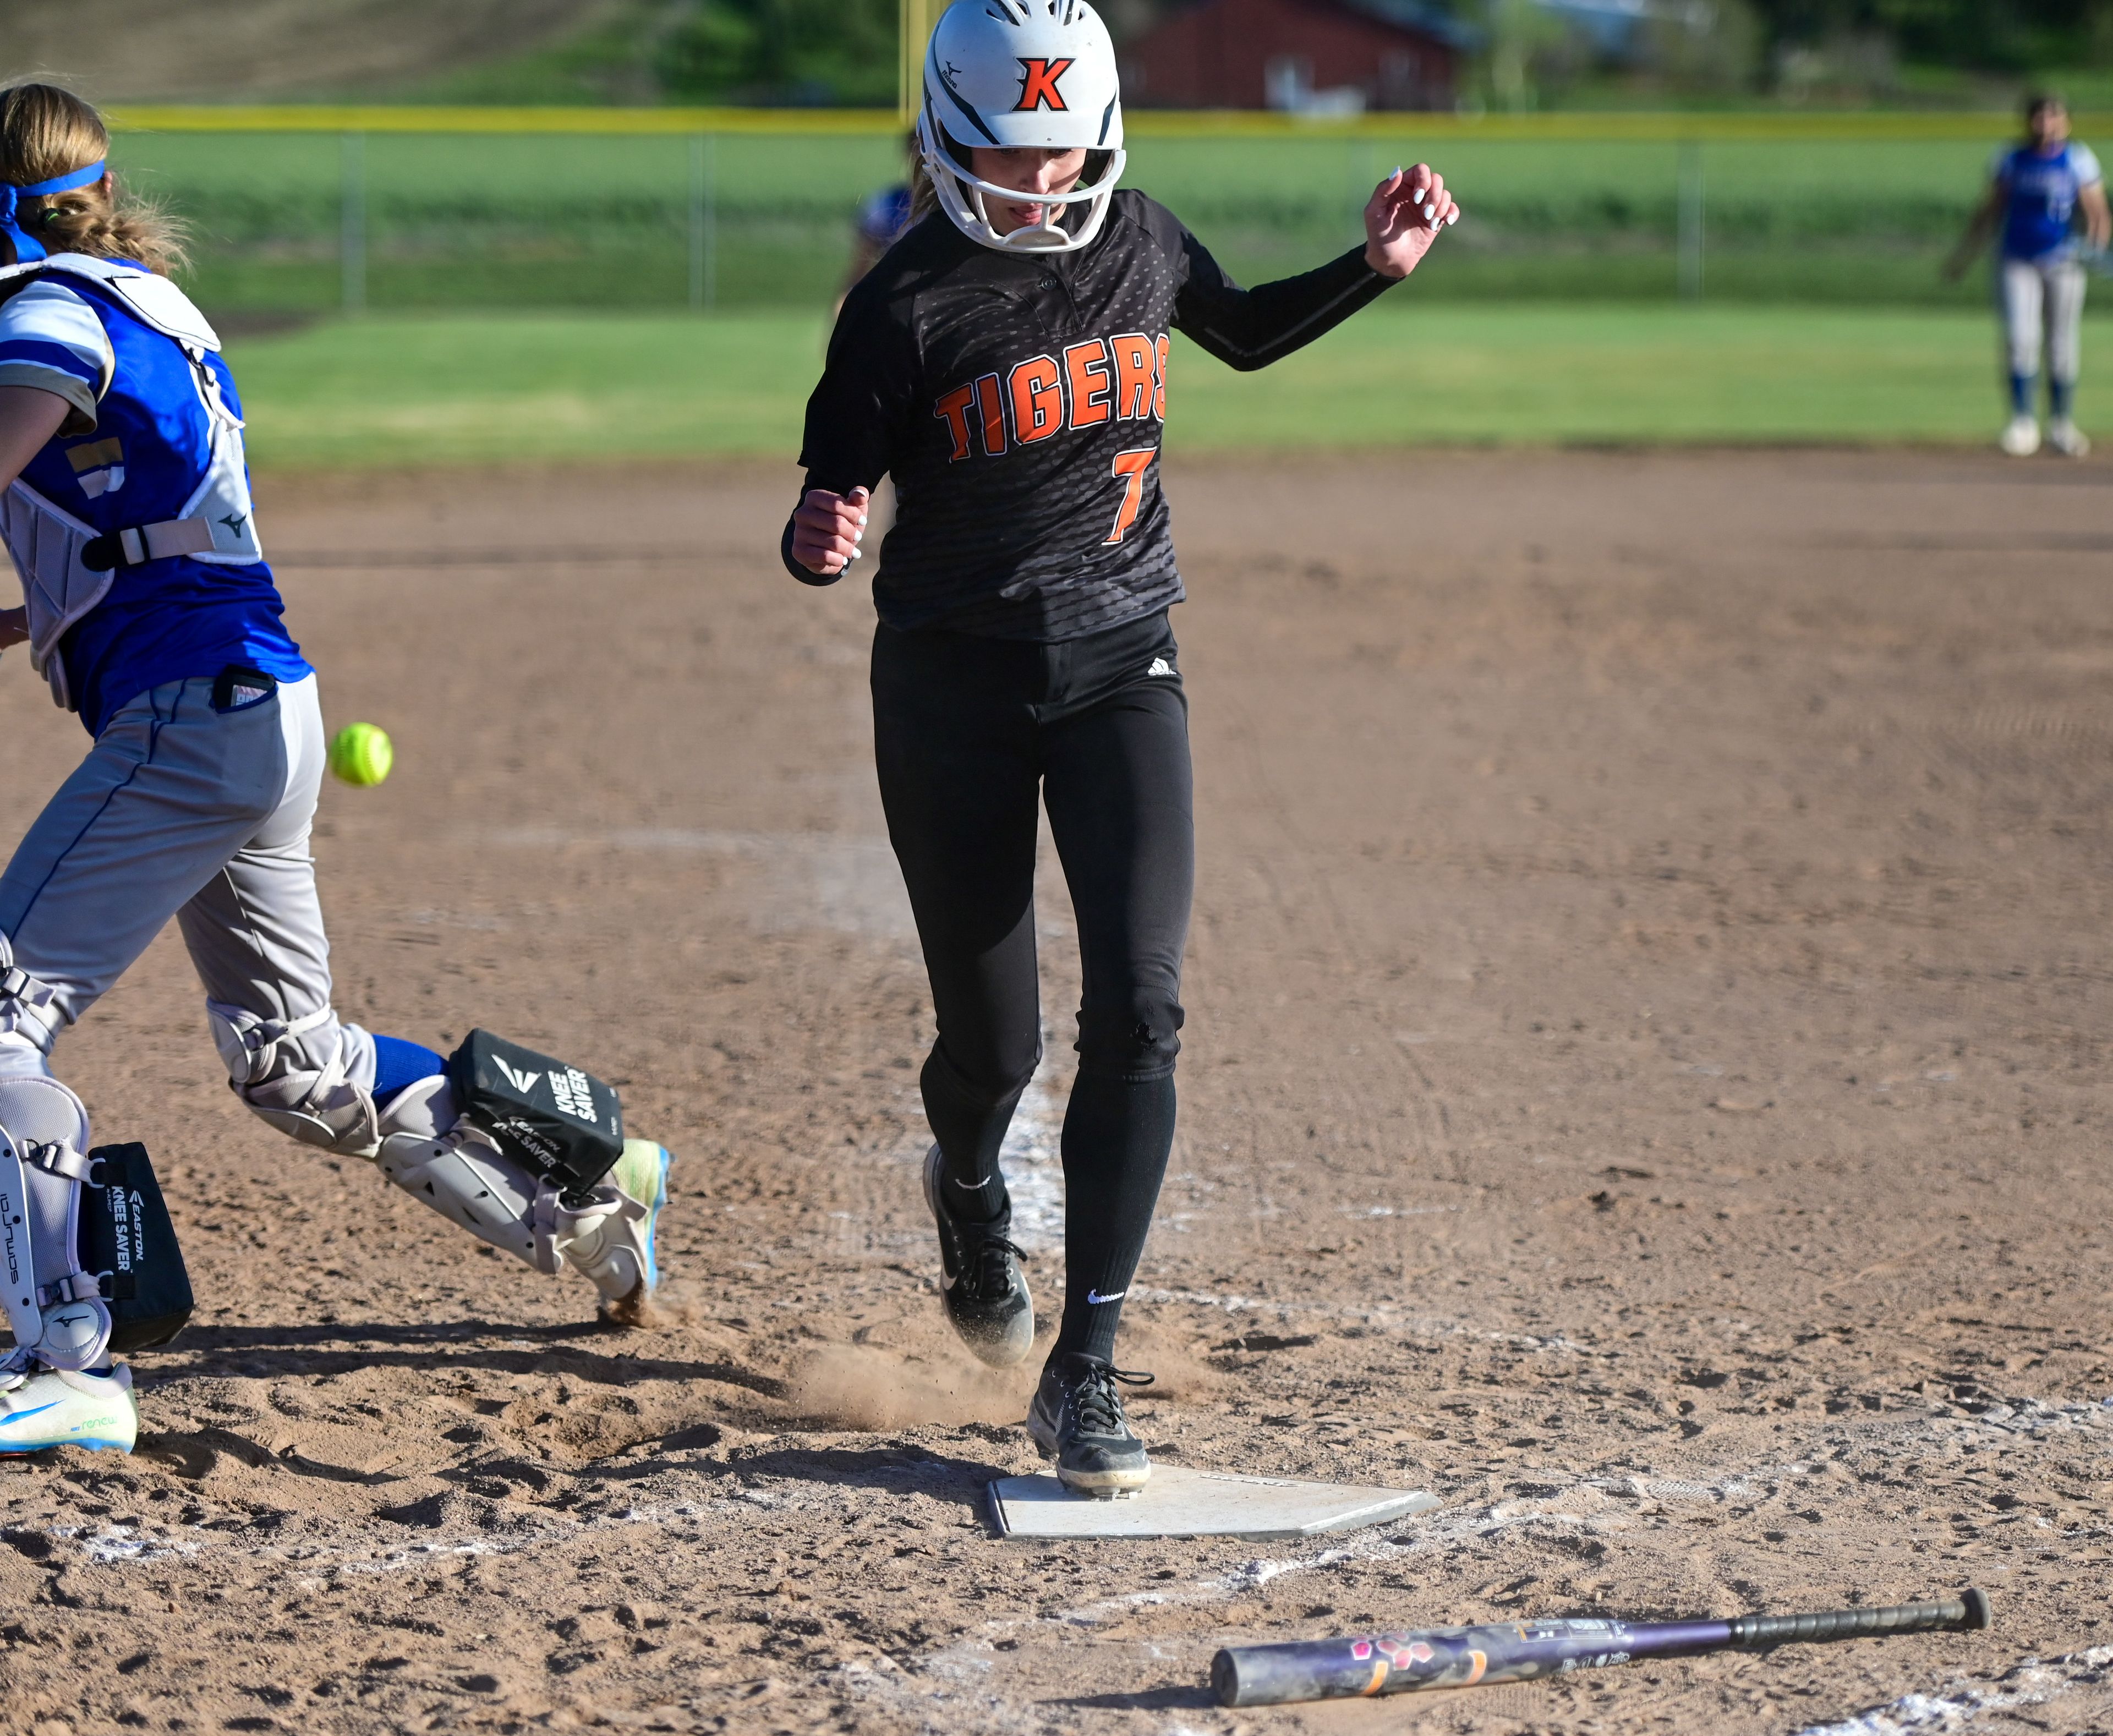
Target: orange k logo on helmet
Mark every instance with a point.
(1037, 85)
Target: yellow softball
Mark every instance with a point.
(360, 753)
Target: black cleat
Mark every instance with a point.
(980, 1280)
(1077, 1419)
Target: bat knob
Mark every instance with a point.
(1976, 1601)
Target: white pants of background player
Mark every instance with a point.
(2043, 301)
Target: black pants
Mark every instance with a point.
(965, 731)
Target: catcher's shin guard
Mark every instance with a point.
(527, 1154)
(55, 1309)
(87, 1252)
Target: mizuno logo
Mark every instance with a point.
(1038, 85)
(1095, 1297)
(522, 1082)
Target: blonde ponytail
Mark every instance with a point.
(45, 133)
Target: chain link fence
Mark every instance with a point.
(304, 213)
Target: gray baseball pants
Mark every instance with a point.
(183, 810)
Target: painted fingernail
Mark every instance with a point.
(1396, 173)
(1429, 213)
(1452, 216)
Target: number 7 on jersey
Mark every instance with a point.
(1131, 467)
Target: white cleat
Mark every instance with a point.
(2020, 436)
(615, 1248)
(2068, 439)
(42, 1408)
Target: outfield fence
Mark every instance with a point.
(304, 210)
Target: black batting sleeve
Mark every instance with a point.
(1249, 329)
(856, 412)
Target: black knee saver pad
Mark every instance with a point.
(565, 1124)
(126, 1241)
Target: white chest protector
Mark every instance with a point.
(67, 565)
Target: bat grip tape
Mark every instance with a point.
(1969, 1610)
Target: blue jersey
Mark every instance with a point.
(2039, 198)
(152, 443)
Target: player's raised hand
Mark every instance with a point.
(1403, 217)
(829, 529)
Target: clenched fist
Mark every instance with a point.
(829, 529)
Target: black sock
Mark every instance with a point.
(970, 1128)
(1117, 1133)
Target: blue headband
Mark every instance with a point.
(27, 249)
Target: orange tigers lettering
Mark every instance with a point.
(1134, 376)
(1086, 367)
(1095, 383)
(954, 408)
(1038, 399)
(990, 405)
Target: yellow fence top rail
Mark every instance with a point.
(1758, 126)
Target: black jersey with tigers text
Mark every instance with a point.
(1017, 400)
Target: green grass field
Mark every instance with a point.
(549, 221)
(399, 390)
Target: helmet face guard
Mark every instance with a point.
(963, 197)
(1012, 75)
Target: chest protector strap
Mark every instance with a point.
(67, 565)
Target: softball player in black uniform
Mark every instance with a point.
(1005, 363)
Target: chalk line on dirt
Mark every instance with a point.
(2030, 1682)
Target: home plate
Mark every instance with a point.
(1183, 1503)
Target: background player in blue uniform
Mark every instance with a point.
(148, 607)
(2038, 191)
(1005, 364)
(880, 222)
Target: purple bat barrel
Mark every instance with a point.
(1523, 1652)
(1438, 1657)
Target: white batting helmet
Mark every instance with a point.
(1013, 73)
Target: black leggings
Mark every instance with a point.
(965, 730)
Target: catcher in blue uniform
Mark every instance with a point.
(150, 611)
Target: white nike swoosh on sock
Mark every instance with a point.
(1095, 1296)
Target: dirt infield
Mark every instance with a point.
(1647, 1081)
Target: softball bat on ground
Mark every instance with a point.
(1522, 1652)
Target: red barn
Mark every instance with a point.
(1325, 55)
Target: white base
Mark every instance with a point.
(1179, 1502)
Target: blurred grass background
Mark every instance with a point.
(554, 296)
(420, 389)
